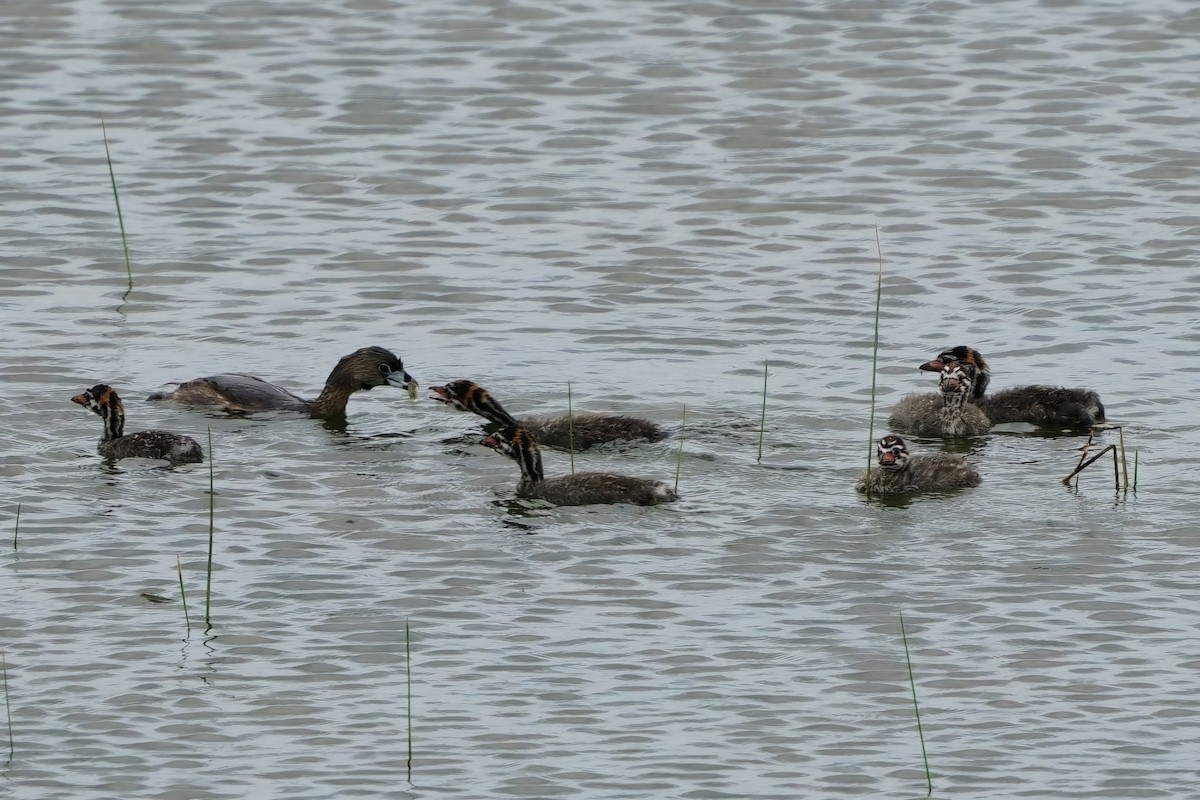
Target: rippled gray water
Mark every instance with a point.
(647, 201)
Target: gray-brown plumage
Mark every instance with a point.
(582, 429)
(899, 471)
(1045, 406)
(579, 489)
(947, 413)
(237, 393)
(115, 445)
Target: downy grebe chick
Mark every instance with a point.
(237, 393)
(899, 471)
(948, 413)
(115, 445)
(1047, 406)
(579, 489)
(583, 430)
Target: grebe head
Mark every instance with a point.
(892, 453)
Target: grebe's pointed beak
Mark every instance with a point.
(932, 366)
(403, 380)
(440, 393)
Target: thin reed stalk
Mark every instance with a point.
(17, 526)
(7, 705)
(112, 175)
(183, 595)
(762, 422)
(408, 688)
(679, 455)
(912, 682)
(212, 516)
(1135, 459)
(874, 359)
(570, 428)
(1124, 463)
(1082, 455)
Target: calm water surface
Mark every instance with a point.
(648, 201)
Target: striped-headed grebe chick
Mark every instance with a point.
(949, 413)
(899, 471)
(239, 394)
(582, 429)
(115, 444)
(1044, 406)
(579, 489)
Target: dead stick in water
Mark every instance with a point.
(1085, 464)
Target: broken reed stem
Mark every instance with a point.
(570, 429)
(183, 595)
(1086, 446)
(1085, 464)
(679, 454)
(874, 358)
(916, 707)
(112, 175)
(408, 687)
(212, 511)
(7, 705)
(762, 422)
(1120, 464)
(17, 524)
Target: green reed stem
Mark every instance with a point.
(7, 705)
(1135, 459)
(17, 526)
(570, 429)
(762, 422)
(408, 687)
(874, 358)
(916, 707)
(212, 517)
(183, 595)
(112, 175)
(679, 455)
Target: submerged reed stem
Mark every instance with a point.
(183, 595)
(912, 682)
(679, 454)
(212, 516)
(408, 687)
(762, 422)
(1135, 459)
(112, 175)
(570, 429)
(874, 357)
(7, 705)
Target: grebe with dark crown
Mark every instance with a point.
(237, 393)
(1045, 406)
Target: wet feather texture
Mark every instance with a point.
(114, 444)
(238, 393)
